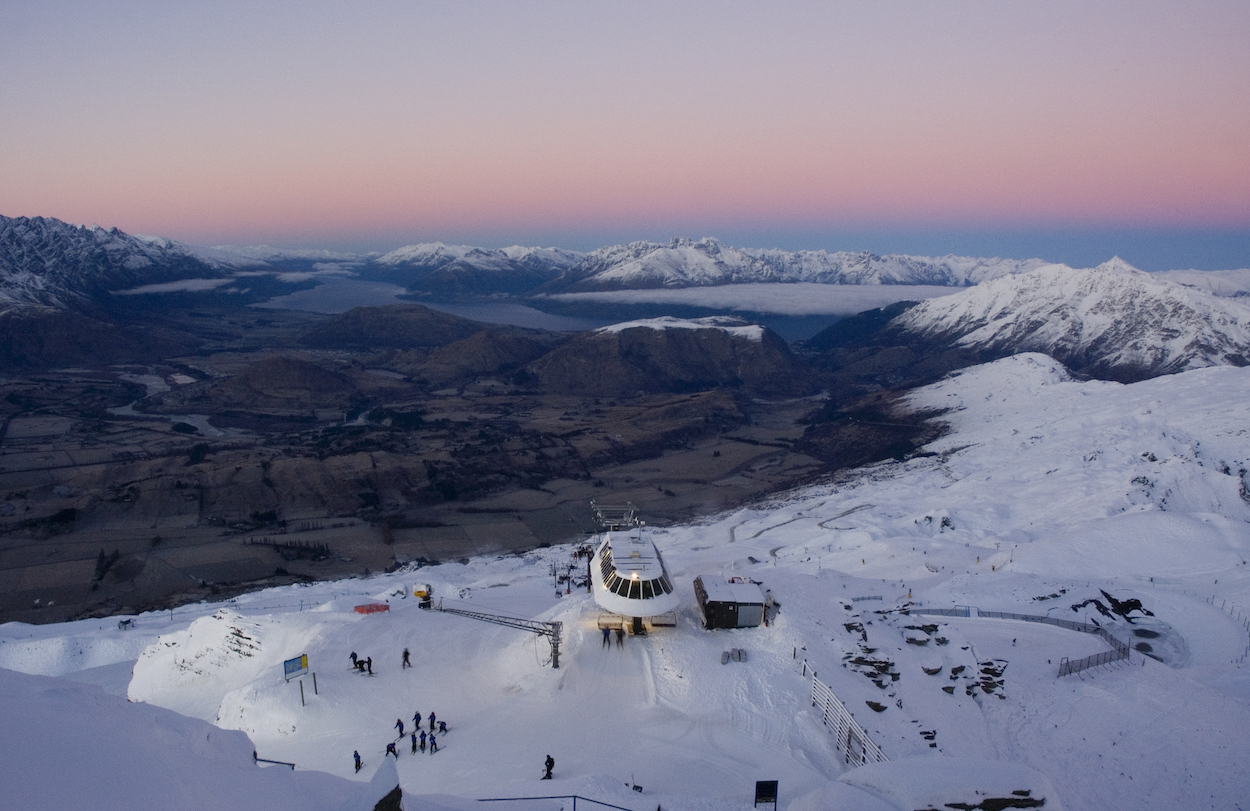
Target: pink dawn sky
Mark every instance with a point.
(925, 127)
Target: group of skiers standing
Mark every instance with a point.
(418, 737)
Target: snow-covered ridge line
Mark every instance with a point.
(724, 323)
(688, 263)
(1109, 317)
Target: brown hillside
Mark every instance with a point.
(395, 326)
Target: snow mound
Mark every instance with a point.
(190, 671)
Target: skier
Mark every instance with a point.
(414, 743)
(353, 657)
(390, 750)
(399, 724)
(607, 638)
(423, 741)
(369, 665)
(620, 637)
(442, 727)
(406, 663)
(433, 745)
(416, 720)
(359, 762)
(431, 722)
(550, 764)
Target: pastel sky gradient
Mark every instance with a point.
(1053, 129)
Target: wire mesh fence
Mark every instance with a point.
(1067, 667)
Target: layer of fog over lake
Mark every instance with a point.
(794, 311)
(340, 295)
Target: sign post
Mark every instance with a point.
(766, 792)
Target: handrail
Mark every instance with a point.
(573, 797)
(275, 762)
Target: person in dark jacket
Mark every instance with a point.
(431, 722)
(391, 750)
(433, 745)
(356, 757)
(369, 665)
(399, 724)
(406, 663)
(414, 743)
(423, 740)
(550, 764)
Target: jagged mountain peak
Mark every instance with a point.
(50, 263)
(1112, 320)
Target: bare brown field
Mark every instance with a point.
(112, 501)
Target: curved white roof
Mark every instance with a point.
(650, 592)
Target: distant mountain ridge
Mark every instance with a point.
(48, 263)
(684, 262)
(1113, 321)
(463, 270)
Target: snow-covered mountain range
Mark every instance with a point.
(689, 263)
(1110, 321)
(459, 270)
(47, 263)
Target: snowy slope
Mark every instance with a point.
(72, 746)
(725, 323)
(706, 262)
(1046, 493)
(1112, 317)
(1227, 283)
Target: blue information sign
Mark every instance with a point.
(295, 667)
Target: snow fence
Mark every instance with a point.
(849, 737)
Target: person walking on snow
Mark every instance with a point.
(406, 662)
(620, 637)
(433, 745)
(607, 638)
(399, 724)
(550, 764)
(356, 757)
